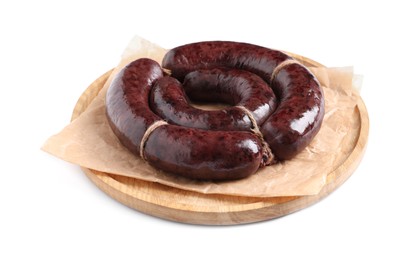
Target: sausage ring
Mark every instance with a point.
(145, 109)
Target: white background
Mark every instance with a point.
(51, 51)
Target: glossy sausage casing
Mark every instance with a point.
(194, 153)
(169, 101)
(206, 155)
(215, 54)
(127, 106)
(299, 115)
(235, 87)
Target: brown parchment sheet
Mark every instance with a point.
(88, 141)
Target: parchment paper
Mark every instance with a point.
(89, 142)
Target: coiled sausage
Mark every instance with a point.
(208, 69)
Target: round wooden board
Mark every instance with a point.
(213, 209)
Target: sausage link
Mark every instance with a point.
(169, 101)
(299, 115)
(127, 106)
(205, 155)
(214, 54)
(194, 153)
(235, 87)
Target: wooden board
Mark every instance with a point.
(196, 208)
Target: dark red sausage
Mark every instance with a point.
(235, 87)
(205, 155)
(300, 114)
(127, 104)
(214, 54)
(208, 155)
(301, 104)
(169, 101)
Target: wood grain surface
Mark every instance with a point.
(197, 208)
